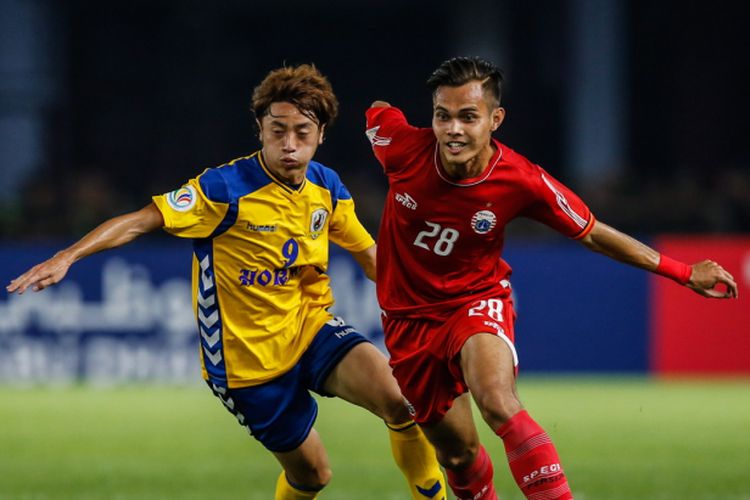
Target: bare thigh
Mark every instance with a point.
(363, 377)
(487, 365)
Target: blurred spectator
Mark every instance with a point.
(91, 199)
(677, 203)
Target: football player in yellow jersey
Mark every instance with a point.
(260, 227)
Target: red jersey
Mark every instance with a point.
(441, 239)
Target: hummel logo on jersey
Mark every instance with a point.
(261, 228)
(343, 333)
(406, 200)
(375, 139)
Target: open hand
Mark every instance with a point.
(42, 275)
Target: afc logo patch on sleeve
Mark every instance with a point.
(182, 199)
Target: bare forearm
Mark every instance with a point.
(113, 233)
(701, 277)
(366, 260)
(619, 246)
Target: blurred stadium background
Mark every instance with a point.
(639, 106)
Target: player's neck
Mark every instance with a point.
(293, 179)
(473, 167)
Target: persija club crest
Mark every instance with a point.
(318, 221)
(483, 222)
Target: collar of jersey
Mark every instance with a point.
(471, 181)
(276, 179)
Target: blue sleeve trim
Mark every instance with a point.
(233, 180)
(228, 183)
(234, 206)
(214, 186)
(229, 219)
(327, 178)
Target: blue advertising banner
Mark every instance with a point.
(126, 315)
(578, 311)
(122, 315)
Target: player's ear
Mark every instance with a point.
(260, 130)
(497, 117)
(322, 134)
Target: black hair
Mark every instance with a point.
(461, 70)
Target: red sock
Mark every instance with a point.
(475, 481)
(533, 459)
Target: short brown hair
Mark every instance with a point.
(462, 70)
(304, 86)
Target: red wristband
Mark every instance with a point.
(674, 269)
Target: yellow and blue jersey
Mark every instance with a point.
(260, 255)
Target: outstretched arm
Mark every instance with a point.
(702, 277)
(113, 233)
(366, 259)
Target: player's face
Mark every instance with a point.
(463, 120)
(290, 140)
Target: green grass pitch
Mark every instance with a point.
(618, 439)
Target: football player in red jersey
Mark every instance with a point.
(444, 290)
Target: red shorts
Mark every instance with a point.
(425, 354)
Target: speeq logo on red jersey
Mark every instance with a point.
(406, 200)
(498, 329)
